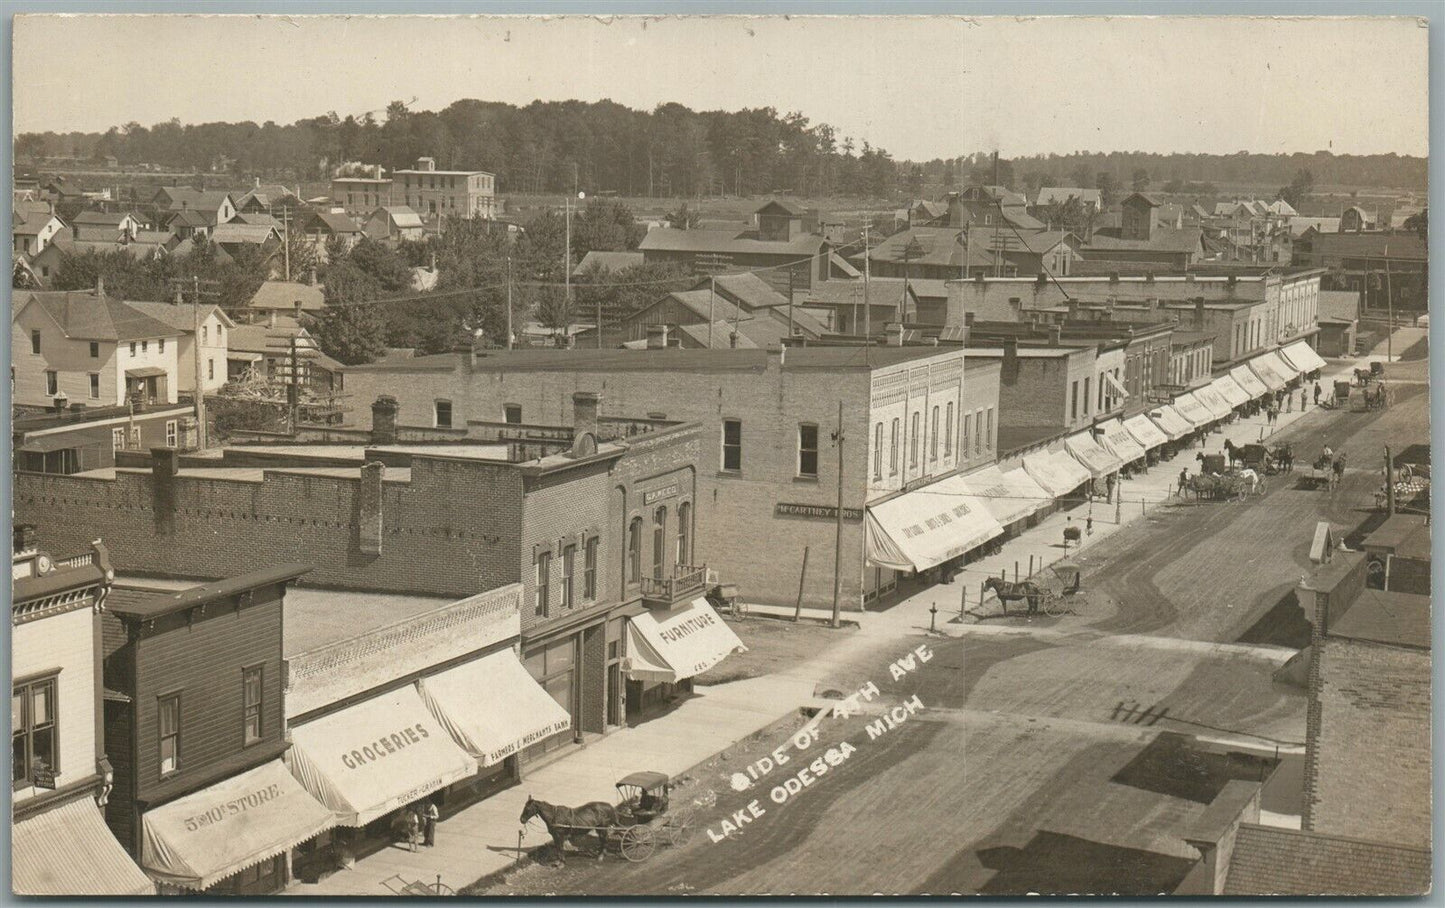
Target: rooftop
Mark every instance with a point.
(607, 262)
(179, 316)
(285, 294)
(1380, 616)
(742, 242)
(154, 602)
(1343, 304)
(818, 357)
(1164, 239)
(83, 315)
(1268, 860)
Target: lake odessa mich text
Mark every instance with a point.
(831, 758)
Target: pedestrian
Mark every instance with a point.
(429, 816)
(1089, 525)
(1303, 399)
(1183, 481)
(407, 826)
(1318, 394)
(1288, 401)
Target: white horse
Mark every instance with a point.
(1253, 482)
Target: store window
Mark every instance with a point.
(34, 736)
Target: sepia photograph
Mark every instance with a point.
(657, 456)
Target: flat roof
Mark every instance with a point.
(253, 474)
(1026, 352)
(488, 451)
(172, 598)
(1381, 616)
(820, 357)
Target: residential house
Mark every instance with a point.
(186, 223)
(214, 328)
(266, 198)
(87, 347)
(32, 232)
(991, 206)
(393, 223)
(1090, 199)
(1355, 219)
(326, 229)
(840, 304)
(780, 244)
(233, 237)
(272, 350)
(214, 206)
(446, 193)
(731, 310)
(115, 223)
(46, 263)
(937, 253)
(284, 298)
(60, 775)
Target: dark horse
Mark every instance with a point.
(573, 824)
(1235, 452)
(1008, 591)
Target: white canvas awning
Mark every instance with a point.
(1009, 495)
(1250, 382)
(679, 644)
(1118, 440)
(1056, 470)
(69, 851)
(1148, 435)
(1170, 422)
(1193, 409)
(924, 528)
(1300, 355)
(1116, 388)
(376, 756)
(204, 837)
(1272, 371)
(1091, 454)
(1213, 401)
(1226, 387)
(493, 707)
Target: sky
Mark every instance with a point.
(920, 87)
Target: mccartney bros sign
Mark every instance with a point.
(816, 511)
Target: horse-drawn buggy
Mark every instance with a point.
(1267, 460)
(639, 822)
(1229, 485)
(1063, 597)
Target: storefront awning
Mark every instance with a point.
(1092, 454)
(201, 839)
(376, 756)
(493, 707)
(1056, 471)
(680, 644)
(1170, 422)
(1229, 389)
(1246, 379)
(1303, 357)
(924, 528)
(1272, 371)
(1145, 432)
(145, 372)
(1119, 442)
(1009, 495)
(1193, 409)
(68, 850)
(1213, 401)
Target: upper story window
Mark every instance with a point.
(512, 413)
(913, 440)
(589, 569)
(251, 688)
(732, 445)
(443, 414)
(542, 584)
(161, 345)
(808, 450)
(94, 350)
(35, 342)
(34, 735)
(933, 436)
(569, 568)
(144, 345)
(132, 348)
(948, 432)
(893, 449)
(168, 730)
(878, 451)
(205, 334)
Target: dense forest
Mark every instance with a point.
(543, 147)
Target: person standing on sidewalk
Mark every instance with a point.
(1183, 481)
(429, 817)
(1318, 393)
(1303, 399)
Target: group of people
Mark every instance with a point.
(417, 824)
(1283, 401)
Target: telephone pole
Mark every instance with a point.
(198, 387)
(509, 302)
(1389, 483)
(711, 301)
(838, 537)
(867, 274)
(286, 240)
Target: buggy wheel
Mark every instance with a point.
(636, 843)
(1054, 605)
(679, 826)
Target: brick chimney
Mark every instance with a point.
(1199, 315)
(895, 335)
(1056, 335)
(1010, 360)
(585, 405)
(24, 538)
(369, 508)
(383, 420)
(165, 465)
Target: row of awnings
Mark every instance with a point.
(925, 527)
(362, 762)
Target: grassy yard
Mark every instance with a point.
(773, 645)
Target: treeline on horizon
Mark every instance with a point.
(671, 151)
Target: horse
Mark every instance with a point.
(1235, 452)
(1250, 482)
(1283, 457)
(1205, 485)
(573, 824)
(1009, 591)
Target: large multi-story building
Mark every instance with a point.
(767, 467)
(434, 193)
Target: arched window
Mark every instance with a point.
(659, 543)
(634, 550)
(684, 542)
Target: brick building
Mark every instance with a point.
(595, 534)
(195, 725)
(434, 193)
(60, 777)
(766, 469)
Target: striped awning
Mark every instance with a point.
(68, 850)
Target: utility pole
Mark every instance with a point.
(1389, 483)
(198, 388)
(867, 274)
(1390, 303)
(711, 300)
(838, 538)
(791, 272)
(286, 240)
(293, 386)
(509, 302)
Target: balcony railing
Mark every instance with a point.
(687, 581)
